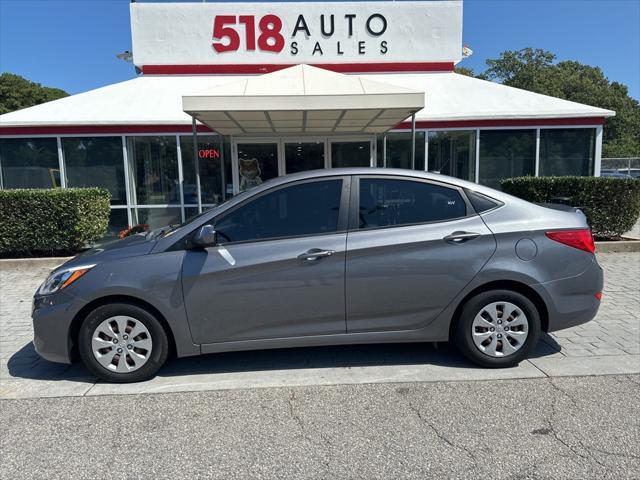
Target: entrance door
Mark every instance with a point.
(257, 162)
(356, 152)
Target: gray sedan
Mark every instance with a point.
(342, 256)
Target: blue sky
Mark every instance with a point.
(71, 44)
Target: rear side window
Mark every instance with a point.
(303, 209)
(389, 202)
(481, 203)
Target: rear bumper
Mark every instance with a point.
(572, 301)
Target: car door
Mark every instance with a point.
(278, 268)
(412, 246)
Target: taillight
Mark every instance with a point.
(580, 239)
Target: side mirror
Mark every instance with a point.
(205, 237)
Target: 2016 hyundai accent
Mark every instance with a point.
(342, 256)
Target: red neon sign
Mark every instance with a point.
(209, 153)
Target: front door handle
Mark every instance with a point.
(315, 254)
(460, 237)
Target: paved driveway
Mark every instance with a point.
(609, 344)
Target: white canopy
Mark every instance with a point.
(157, 100)
(303, 99)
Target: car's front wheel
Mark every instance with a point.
(498, 328)
(122, 343)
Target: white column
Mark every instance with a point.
(127, 183)
(478, 155)
(180, 178)
(598, 152)
(426, 151)
(63, 174)
(537, 167)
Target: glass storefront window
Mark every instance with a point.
(399, 150)
(453, 153)
(153, 164)
(210, 162)
(350, 153)
(30, 163)
(301, 156)
(118, 221)
(567, 151)
(506, 153)
(257, 162)
(156, 217)
(96, 162)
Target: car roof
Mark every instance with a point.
(373, 171)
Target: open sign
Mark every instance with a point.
(209, 153)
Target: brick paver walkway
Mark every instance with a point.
(614, 333)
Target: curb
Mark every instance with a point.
(619, 246)
(44, 262)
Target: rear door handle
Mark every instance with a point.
(460, 237)
(315, 254)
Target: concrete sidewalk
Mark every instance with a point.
(608, 345)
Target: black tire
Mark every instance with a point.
(159, 350)
(464, 328)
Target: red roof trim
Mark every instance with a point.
(132, 129)
(519, 122)
(268, 68)
(102, 129)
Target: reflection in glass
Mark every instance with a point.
(154, 169)
(505, 154)
(301, 156)
(257, 162)
(30, 162)
(453, 153)
(399, 150)
(567, 151)
(351, 154)
(96, 162)
(156, 217)
(210, 161)
(118, 221)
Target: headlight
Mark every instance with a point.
(63, 278)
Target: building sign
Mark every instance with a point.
(297, 32)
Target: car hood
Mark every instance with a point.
(132, 246)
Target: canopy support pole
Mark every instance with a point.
(384, 150)
(223, 178)
(196, 162)
(413, 141)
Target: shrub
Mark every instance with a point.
(612, 205)
(37, 222)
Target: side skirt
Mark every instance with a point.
(406, 336)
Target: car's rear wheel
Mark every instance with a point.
(122, 343)
(498, 328)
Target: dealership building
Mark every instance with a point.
(232, 94)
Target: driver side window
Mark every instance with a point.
(303, 209)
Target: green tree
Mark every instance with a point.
(537, 71)
(17, 92)
(465, 71)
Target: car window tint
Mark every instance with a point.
(385, 202)
(481, 203)
(303, 209)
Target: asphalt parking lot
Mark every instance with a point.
(544, 428)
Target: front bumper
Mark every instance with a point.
(52, 316)
(572, 301)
